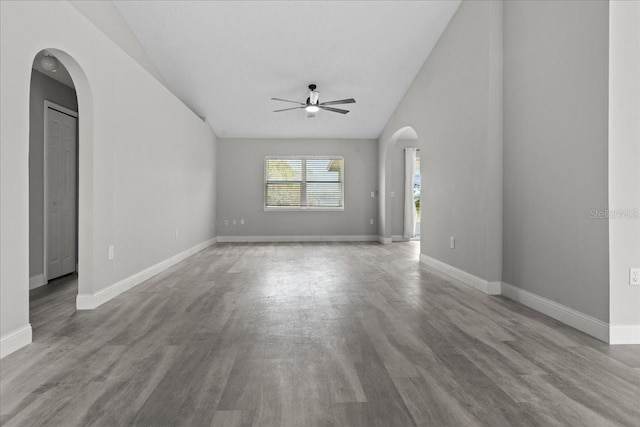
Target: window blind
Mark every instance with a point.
(304, 182)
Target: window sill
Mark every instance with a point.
(302, 209)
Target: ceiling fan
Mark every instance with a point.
(313, 106)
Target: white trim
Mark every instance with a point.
(399, 238)
(89, 302)
(494, 288)
(384, 240)
(266, 239)
(60, 108)
(624, 334)
(37, 281)
(45, 252)
(303, 208)
(482, 285)
(582, 322)
(15, 340)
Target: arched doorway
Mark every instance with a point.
(60, 96)
(53, 182)
(391, 200)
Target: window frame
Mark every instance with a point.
(303, 185)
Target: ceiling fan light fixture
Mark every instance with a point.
(312, 106)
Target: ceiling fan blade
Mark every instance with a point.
(287, 109)
(340, 101)
(310, 115)
(335, 110)
(287, 100)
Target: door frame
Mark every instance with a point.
(47, 105)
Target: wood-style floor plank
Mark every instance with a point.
(309, 334)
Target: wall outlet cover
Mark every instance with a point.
(634, 276)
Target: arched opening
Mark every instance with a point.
(392, 184)
(60, 182)
(53, 183)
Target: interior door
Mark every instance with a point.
(60, 143)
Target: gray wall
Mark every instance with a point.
(42, 87)
(240, 168)
(555, 155)
(455, 106)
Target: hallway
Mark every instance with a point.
(342, 334)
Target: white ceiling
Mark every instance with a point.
(226, 59)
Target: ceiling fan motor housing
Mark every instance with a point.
(313, 96)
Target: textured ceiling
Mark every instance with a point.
(226, 59)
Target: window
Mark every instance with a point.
(304, 182)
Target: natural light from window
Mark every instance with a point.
(304, 182)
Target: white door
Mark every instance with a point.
(60, 193)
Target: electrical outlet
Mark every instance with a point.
(452, 242)
(634, 276)
(226, 222)
(241, 221)
(110, 254)
(373, 194)
(371, 221)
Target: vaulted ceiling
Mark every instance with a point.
(226, 59)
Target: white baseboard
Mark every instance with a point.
(582, 322)
(484, 286)
(621, 334)
(399, 238)
(624, 334)
(15, 340)
(89, 302)
(37, 281)
(268, 239)
(384, 240)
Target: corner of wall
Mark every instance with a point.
(15, 340)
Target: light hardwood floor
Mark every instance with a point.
(336, 334)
